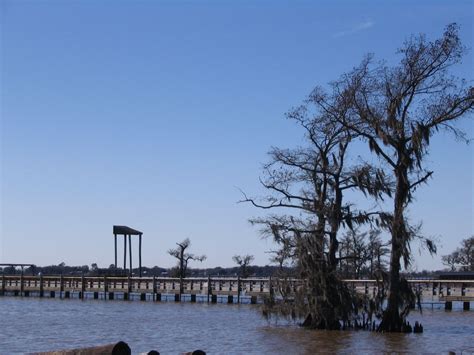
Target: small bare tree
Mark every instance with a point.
(451, 260)
(462, 257)
(378, 250)
(243, 261)
(354, 254)
(363, 254)
(184, 257)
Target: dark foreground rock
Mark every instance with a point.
(120, 348)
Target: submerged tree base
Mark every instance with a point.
(311, 323)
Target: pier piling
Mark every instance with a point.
(22, 286)
(208, 288)
(41, 289)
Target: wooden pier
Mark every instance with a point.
(210, 289)
(432, 291)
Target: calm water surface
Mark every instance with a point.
(33, 324)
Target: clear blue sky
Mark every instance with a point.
(151, 113)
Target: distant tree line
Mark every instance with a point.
(86, 270)
(94, 270)
(347, 270)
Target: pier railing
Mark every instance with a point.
(108, 286)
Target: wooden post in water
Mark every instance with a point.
(154, 288)
(105, 288)
(130, 252)
(41, 285)
(140, 254)
(270, 288)
(83, 287)
(3, 284)
(238, 289)
(21, 284)
(61, 286)
(208, 288)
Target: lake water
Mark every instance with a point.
(33, 324)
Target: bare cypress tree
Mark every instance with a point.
(310, 181)
(362, 255)
(396, 110)
(462, 257)
(355, 253)
(244, 262)
(183, 259)
(451, 260)
(377, 253)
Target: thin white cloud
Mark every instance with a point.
(357, 28)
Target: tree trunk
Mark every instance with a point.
(323, 284)
(336, 219)
(181, 271)
(392, 321)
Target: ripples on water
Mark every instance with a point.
(29, 324)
